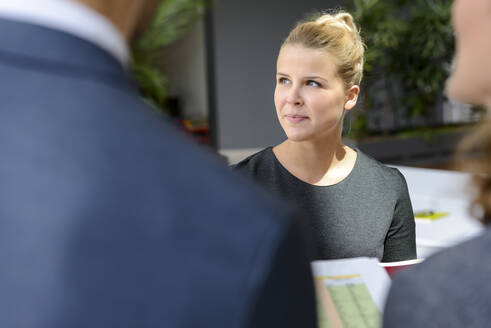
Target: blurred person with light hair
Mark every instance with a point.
(451, 288)
(109, 217)
(354, 205)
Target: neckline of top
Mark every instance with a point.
(300, 181)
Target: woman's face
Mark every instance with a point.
(471, 80)
(310, 98)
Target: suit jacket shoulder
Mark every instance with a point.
(111, 217)
(449, 289)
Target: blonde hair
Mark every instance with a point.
(338, 35)
(474, 155)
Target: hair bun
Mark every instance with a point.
(337, 34)
(347, 19)
(343, 20)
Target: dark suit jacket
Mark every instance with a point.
(449, 289)
(110, 218)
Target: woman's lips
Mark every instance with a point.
(295, 118)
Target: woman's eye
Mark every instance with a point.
(283, 80)
(313, 83)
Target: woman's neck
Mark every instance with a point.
(316, 163)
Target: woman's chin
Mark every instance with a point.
(298, 137)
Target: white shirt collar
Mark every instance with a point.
(71, 17)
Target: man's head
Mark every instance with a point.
(470, 82)
(129, 16)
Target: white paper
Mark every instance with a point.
(372, 274)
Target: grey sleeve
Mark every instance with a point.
(400, 242)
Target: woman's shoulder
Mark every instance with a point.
(371, 166)
(256, 161)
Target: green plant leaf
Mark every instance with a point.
(172, 19)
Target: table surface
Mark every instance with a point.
(441, 191)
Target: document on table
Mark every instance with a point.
(350, 292)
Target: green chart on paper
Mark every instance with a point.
(352, 303)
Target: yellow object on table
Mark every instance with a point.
(430, 215)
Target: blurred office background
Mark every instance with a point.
(220, 77)
(215, 77)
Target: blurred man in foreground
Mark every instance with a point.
(451, 288)
(108, 218)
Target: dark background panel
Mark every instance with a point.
(246, 38)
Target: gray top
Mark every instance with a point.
(368, 213)
(449, 289)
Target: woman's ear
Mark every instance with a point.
(351, 97)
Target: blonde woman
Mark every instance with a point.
(451, 289)
(355, 205)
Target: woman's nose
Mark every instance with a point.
(293, 97)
